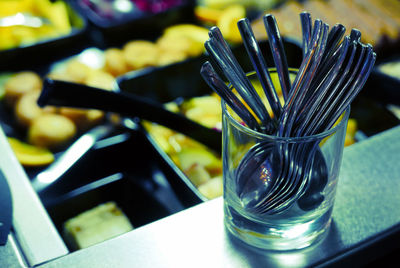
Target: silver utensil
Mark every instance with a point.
(278, 53)
(259, 64)
(215, 82)
(238, 79)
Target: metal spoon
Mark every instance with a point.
(306, 26)
(215, 82)
(278, 53)
(283, 182)
(258, 61)
(238, 81)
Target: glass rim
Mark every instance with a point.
(321, 135)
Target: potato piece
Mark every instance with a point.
(83, 118)
(20, 84)
(194, 32)
(51, 131)
(190, 156)
(177, 44)
(100, 79)
(212, 188)
(350, 132)
(227, 22)
(204, 110)
(30, 155)
(77, 71)
(207, 14)
(26, 109)
(115, 62)
(170, 57)
(96, 225)
(197, 174)
(140, 53)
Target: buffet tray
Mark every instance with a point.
(43, 53)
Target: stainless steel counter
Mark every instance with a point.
(366, 224)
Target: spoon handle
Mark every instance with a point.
(215, 82)
(62, 93)
(248, 93)
(258, 61)
(306, 27)
(278, 53)
(302, 79)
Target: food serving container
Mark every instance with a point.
(112, 25)
(48, 50)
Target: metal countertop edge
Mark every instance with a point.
(33, 228)
(173, 243)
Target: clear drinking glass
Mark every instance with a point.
(298, 174)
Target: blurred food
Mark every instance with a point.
(350, 132)
(391, 68)
(26, 109)
(55, 12)
(96, 225)
(379, 21)
(212, 188)
(225, 18)
(114, 62)
(227, 22)
(52, 127)
(51, 131)
(220, 4)
(22, 89)
(30, 155)
(139, 54)
(19, 84)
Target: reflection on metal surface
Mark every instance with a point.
(70, 157)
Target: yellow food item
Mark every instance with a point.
(100, 79)
(51, 131)
(212, 188)
(176, 49)
(183, 38)
(29, 155)
(20, 84)
(227, 22)
(197, 174)
(350, 132)
(54, 11)
(26, 109)
(140, 53)
(205, 110)
(207, 14)
(77, 71)
(115, 62)
(202, 156)
(191, 31)
(96, 225)
(82, 118)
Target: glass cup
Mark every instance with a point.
(279, 192)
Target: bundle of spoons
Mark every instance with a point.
(333, 71)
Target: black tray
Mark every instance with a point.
(383, 87)
(129, 193)
(123, 168)
(134, 25)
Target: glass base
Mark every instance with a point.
(277, 236)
